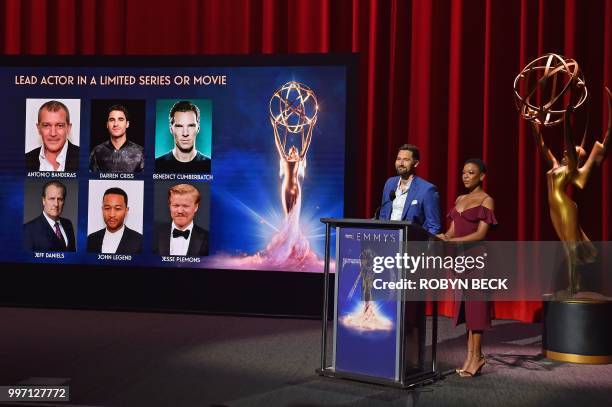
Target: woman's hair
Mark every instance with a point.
(478, 163)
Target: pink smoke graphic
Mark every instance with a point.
(287, 250)
(367, 317)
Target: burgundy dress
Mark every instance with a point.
(476, 314)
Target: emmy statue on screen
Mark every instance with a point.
(548, 91)
(293, 114)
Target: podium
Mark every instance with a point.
(376, 337)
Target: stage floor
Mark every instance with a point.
(154, 359)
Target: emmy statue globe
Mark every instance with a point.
(548, 91)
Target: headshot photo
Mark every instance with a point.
(114, 221)
(117, 136)
(52, 134)
(50, 207)
(182, 219)
(183, 131)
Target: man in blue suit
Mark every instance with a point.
(408, 197)
(50, 232)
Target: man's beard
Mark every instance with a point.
(185, 150)
(403, 172)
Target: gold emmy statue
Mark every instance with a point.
(293, 115)
(547, 92)
(575, 323)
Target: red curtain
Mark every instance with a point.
(434, 73)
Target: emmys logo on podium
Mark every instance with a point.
(376, 237)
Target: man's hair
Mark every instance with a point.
(118, 108)
(116, 191)
(54, 106)
(411, 147)
(56, 184)
(184, 189)
(184, 106)
(478, 163)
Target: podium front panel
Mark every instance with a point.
(367, 322)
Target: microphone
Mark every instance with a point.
(391, 199)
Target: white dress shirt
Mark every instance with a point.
(52, 224)
(400, 199)
(180, 245)
(111, 240)
(45, 165)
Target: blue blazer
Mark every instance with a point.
(39, 236)
(422, 204)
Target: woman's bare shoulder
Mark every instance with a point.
(488, 201)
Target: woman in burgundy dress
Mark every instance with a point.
(471, 219)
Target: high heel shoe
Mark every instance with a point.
(461, 369)
(467, 373)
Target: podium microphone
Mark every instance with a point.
(391, 199)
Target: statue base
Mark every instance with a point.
(578, 330)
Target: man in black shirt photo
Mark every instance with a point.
(184, 157)
(117, 154)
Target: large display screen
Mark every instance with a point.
(167, 164)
